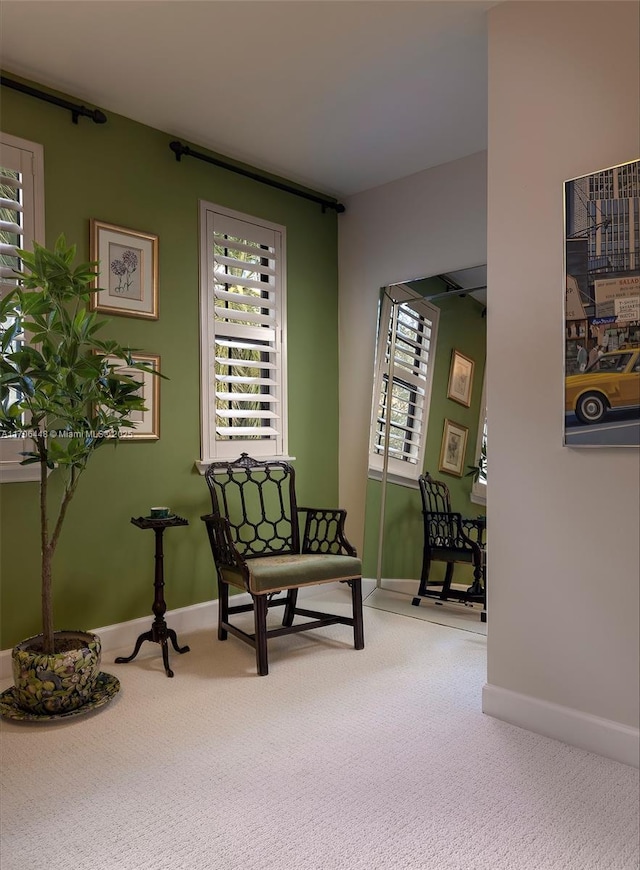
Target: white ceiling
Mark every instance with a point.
(339, 95)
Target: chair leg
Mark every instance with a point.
(290, 607)
(223, 608)
(446, 586)
(483, 615)
(424, 576)
(358, 622)
(476, 587)
(260, 606)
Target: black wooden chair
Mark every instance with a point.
(254, 532)
(450, 538)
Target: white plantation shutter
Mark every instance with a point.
(21, 223)
(242, 312)
(479, 486)
(11, 219)
(402, 385)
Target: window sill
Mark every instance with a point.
(399, 480)
(479, 496)
(202, 464)
(13, 472)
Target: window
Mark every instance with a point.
(479, 486)
(611, 363)
(402, 385)
(242, 323)
(21, 223)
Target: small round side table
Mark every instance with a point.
(160, 632)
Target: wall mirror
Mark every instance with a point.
(428, 414)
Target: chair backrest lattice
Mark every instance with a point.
(435, 495)
(436, 507)
(259, 502)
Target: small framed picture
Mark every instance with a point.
(146, 423)
(460, 378)
(454, 448)
(128, 271)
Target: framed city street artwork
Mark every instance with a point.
(602, 308)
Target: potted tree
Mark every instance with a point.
(61, 389)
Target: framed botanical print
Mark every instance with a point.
(146, 424)
(128, 264)
(460, 378)
(454, 448)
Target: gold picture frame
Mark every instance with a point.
(460, 378)
(454, 448)
(128, 264)
(146, 423)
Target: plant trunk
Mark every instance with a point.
(49, 544)
(47, 602)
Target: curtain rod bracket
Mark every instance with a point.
(179, 150)
(96, 115)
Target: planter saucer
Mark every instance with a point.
(107, 687)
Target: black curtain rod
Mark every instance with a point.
(76, 110)
(179, 150)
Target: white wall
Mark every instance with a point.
(424, 224)
(563, 523)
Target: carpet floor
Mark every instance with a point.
(338, 760)
(396, 597)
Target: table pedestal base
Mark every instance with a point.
(161, 634)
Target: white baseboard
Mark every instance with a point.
(124, 634)
(601, 736)
(368, 585)
(192, 618)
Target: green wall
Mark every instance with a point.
(123, 172)
(463, 327)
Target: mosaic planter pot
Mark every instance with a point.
(58, 683)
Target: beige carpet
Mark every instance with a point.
(338, 760)
(396, 597)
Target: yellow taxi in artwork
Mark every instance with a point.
(612, 381)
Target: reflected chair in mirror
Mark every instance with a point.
(254, 531)
(450, 538)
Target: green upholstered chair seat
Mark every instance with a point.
(272, 573)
